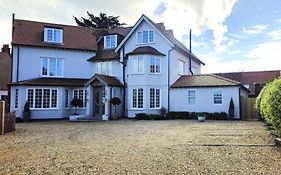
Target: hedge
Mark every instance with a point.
(268, 104)
(181, 115)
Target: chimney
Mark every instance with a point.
(6, 48)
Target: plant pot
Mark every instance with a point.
(104, 117)
(26, 116)
(201, 118)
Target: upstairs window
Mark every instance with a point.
(104, 68)
(137, 65)
(181, 67)
(110, 41)
(195, 70)
(53, 35)
(52, 67)
(144, 37)
(155, 65)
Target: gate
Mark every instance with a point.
(248, 110)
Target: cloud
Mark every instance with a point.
(255, 29)
(276, 34)
(265, 56)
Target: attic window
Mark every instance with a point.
(53, 35)
(145, 36)
(110, 41)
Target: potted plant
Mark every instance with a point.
(201, 116)
(76, 103)
(231, 109)
(115, 101)
(26, 112)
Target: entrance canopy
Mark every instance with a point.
(105, 80)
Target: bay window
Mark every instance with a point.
(42, 98)
(154, 65)
(104, 68)
(137, 65)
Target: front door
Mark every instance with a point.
(99, 107)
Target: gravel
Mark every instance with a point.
(140, 147)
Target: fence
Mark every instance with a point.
(247, 109)
(7, 121)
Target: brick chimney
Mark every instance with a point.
(6, 48)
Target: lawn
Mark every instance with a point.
(139, 147)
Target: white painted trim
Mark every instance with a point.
(195, 96)
(213, 98)
(160, 98)
(48, 66)
(33, 102)
(143, 95)
(104, 41)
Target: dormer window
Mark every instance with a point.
(110, 41)
(53, 35)
(144, 37)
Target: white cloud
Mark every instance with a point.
(276, 34)
(255, 29)
(200, 16)
(264, 56)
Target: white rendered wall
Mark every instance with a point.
(204, 100)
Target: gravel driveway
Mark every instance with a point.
(140, 147)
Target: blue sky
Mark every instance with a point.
(228, 35)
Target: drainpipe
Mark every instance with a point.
(109, 103)
(169, 54)
(18, 55)
(124, 81)
(190, 68)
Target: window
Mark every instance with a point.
(16, 98)
(104, 68)
(138, 98)
(138, 65)
(181, 67)
(195, 70)
(154, 65)
(42, 98)
(66, 104)
(218, 96)
(53, 35)
(191, 97)
(154, 98)
(52, 67)
(82, 95)
(110, 41)
(144, 37)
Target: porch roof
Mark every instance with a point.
(145, 50)
(106, 80)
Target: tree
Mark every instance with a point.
(231, 109)
(102, 21)
(76, 103)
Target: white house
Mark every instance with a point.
(54, 63)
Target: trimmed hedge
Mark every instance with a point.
(268, 104)
(181, 115)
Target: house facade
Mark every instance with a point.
(53, 64)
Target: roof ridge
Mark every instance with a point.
(225, 79)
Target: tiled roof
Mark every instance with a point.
(107, 54)
(5, 70)
(205, 80)
(31, 33)
(108, 80)
(52, 82)
(145, 50)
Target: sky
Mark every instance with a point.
(227, 35)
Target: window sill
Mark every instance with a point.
(137, 109)
(137, 73)
(40, 109)
(155, 73)
(141, 44)
(52, 42)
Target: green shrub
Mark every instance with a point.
(142, 116)
(269, 104)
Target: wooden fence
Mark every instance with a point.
(7, 121)
(247, 109)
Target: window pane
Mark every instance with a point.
(113, 40)
(145, 36)
(152, 65)
(181, 67)
(57, 36)
(85, 98)
(16, 98)
(103, 68)
(30, 97)
(134, 98)
(140, 98)
(38, 98)
(139, 37)
(59, 67)
(135, 65)
(157, 65)
(157, 95)
(151, 36)
(191, 97)
(75, 94)
(54, 99)
(46, 98)
(109, 68)
(140, 65)
(99, 68)
(66, 99)
(52, 67)
(45, 66)
(107, 41)
(50, 35)
(218, 97)
(152, 98)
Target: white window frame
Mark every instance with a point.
(50, 98)
(137, 99)
(150, 39)
(49, 66)
(154, 65)
(84, 99)
(214, 96)
(155, 99)
(188, 97)
(53, 30)
(110, 42)
(140, 63)
(16, 98)
(181, 67)
(107, 65)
